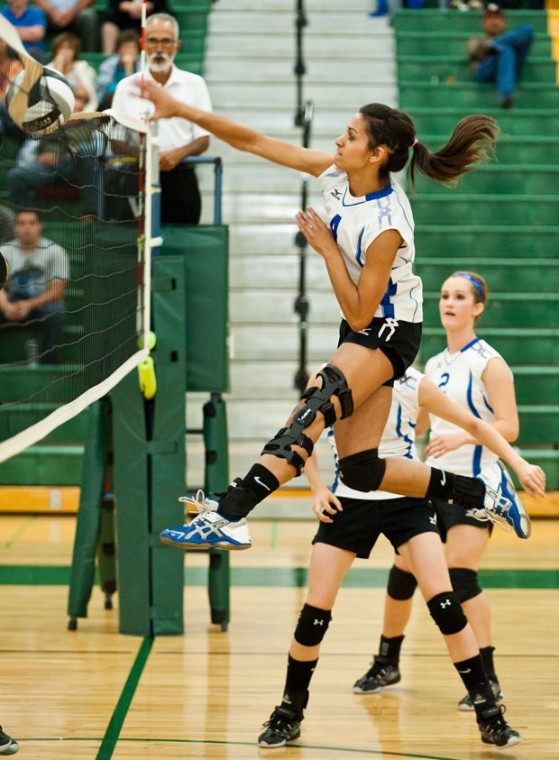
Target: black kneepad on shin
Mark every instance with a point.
(363, 471)
(465, 583)
(401, 585)
(312, 625)
(447, 613)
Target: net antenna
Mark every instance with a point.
(96, 212)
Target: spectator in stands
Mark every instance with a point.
(76, 16)
(178, 138)
(80, 74)
(46, 162)
(34, 290)
(31, 25)
(124, 63)
(125, 14)
(500, 56)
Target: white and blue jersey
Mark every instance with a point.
(398, 438)
(459, 376)
(356, 222)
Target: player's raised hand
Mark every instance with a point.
(165, 105)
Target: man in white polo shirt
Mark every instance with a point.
(178, 138)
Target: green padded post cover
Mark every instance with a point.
(87, 527)
(205, 250)
(217, 479)
(150, 464)
(131, 497)
(169, 433)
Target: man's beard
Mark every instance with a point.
(160, 62)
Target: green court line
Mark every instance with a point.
(273, 534)
(294, 577)
(19, 531)
(123, 705)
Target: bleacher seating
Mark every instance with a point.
(57, 460)
(503, 218)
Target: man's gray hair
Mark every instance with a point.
(164, 17)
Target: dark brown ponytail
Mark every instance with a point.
(472, 141)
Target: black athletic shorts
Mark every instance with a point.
(451, 514)
(398, 340)
(357, 528)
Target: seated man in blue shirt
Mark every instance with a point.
(31, 25)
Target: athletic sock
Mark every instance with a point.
(488, 664)
(458, 489)
(245, 493)
(471, 672)
(297, 682)
(299, 673)
(440, 485)
(468, 492)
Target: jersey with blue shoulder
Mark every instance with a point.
(357, 221)
(398, 438)
(459, 376)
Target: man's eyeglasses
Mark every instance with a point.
(166, 43)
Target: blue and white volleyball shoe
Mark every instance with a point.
(208, 529)
(501, 504)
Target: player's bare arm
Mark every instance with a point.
(243, 138)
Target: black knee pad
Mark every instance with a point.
(363, 471)
(465, 583)
(315, 400)
(447, 613)
(401, 585)
(312, 625)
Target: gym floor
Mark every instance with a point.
(96, 694)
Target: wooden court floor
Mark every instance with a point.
(96, 694)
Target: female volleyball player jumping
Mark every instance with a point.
(368, 249)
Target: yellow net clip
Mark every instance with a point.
(146, 369)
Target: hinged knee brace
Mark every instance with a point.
(317, 400)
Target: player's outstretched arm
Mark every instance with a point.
(243, 138)
(434, 401)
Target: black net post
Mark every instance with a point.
(216, 480)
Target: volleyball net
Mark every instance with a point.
(74, 222)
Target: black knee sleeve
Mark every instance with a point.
(465, 583)
(363, 471)
(447, 613)
(316, 400)
(401, 585)
(312, 625)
